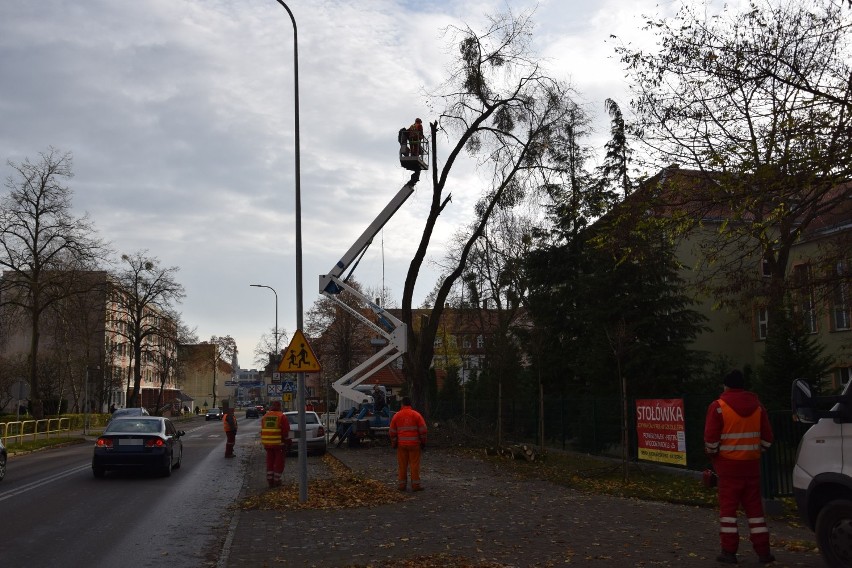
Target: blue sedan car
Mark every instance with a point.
(141, 443)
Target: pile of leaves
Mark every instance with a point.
(342, 490)
(439, 560)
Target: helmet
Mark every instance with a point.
(709, 478)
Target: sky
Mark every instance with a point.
(180, 116)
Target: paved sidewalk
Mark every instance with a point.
(472, 509)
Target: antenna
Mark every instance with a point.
(384, 292)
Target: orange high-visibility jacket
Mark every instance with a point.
(229, 424)
(740, 438)
(407, 428)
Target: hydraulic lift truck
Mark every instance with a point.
(356, 419)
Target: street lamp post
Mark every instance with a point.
(277, 352)
(300, 377)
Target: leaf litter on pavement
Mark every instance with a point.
(347, 489)
(344, 489)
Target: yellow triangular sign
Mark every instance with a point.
(299, 357)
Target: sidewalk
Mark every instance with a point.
(471, 509)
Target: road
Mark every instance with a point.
(54, 512)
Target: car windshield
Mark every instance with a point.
(310, 418)
(139, 425)
(213, 411)
(128, 412)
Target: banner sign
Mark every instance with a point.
(660, 430)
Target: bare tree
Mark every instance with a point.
(144, 296)
(225, 350)
(504, 110)
(749, 100)
(42, 246)
(265, 347)
(338, 336)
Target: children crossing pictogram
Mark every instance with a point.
(299, 357)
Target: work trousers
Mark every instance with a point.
(733, 491)
(230, 440)
(408, 457)
(274, 464)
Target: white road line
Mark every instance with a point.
(34, 484)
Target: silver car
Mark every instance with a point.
(316, 432)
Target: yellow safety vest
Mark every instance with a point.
(270, 429)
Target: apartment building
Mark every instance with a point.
(85, 351)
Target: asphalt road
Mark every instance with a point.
(53, 512)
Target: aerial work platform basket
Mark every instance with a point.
(414, 155)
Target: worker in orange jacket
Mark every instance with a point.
(415, 137)
(229, 421)
(736, 431)
(275, 437)
(408, 435)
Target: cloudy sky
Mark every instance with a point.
(180, 118)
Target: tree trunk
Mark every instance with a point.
(35, 388)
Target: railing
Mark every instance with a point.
(593, 425)
(31, 430)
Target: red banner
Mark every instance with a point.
(660, 430)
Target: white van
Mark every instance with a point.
(822, 476)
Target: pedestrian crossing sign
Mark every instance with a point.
(299, 357)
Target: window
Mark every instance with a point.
(841, 316)
(806, 304)
(480, 342)
(764, 269)
(844, 374)
(466, 342)
(762, 323)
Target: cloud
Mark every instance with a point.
(180, 117)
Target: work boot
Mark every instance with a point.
(417, 488)
(727, 558)
(401, 487)
(766, 558)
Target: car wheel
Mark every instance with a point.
(98, 472)
(167, 469)
(2, 467)
(834, 533)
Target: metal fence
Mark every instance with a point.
(593, 425)
(31, 430)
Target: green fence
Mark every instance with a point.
(593, 425)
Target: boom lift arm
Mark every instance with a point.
(394, 331)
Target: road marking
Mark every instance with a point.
(35, 484)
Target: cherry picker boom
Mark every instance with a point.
(333, 284)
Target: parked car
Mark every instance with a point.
(252, 412)
(3, 457)
(261, 409)
(120, 412)
(214, 413)
(316, 442)
(138, 443)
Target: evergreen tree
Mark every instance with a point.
(791, 353)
